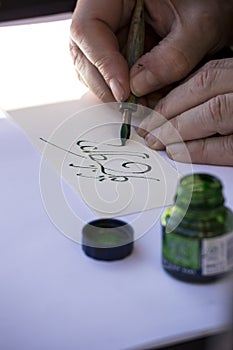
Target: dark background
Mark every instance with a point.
(17, 9)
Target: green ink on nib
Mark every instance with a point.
(197, 231)
(125, 133)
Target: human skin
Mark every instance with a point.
(200, 117)
(186, 30)
(179, 33)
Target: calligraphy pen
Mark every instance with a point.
(134, 50)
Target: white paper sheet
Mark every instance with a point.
(85, 149)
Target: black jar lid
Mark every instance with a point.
(107, 239)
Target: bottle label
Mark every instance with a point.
(193, 256)
(217, 254)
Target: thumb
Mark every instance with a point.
(171, 60)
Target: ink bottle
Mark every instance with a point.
(197, 231)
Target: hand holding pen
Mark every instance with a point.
(99, 34)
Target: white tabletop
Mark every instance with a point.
(52, 295)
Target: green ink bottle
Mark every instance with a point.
(197, 231)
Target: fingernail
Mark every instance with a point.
(143, 82)
(151, 140)
(117, 89)
(141, 131)
(176, 151)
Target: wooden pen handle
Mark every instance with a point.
(135, 42)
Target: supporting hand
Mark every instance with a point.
(200, 112)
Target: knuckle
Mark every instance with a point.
(217, 107)
(73, 50)
(79, 61)
(212, 64)
(78, 34)
(177, 131)
(175, 124)
(220, 113)
(220, 64)
(103, 94)
(161, 108)
(180, 64)
(104, 64)
(203, 80)
(228, 145)
(80, 65)
(204, 150)
(176, 59)
(198, 151)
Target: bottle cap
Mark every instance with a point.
(107, 239)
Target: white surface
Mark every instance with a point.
(54, 297)
(51, 295)
(35, 65)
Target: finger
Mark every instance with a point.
(87, 73)
(214, 151)
(75, 53)
(214, 116)
(147, 125)
(154, 120)
(164, 64)
(176, 55)
(154, 97)
(214, 78)
(92, 29)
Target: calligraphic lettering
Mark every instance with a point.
(123, 170)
